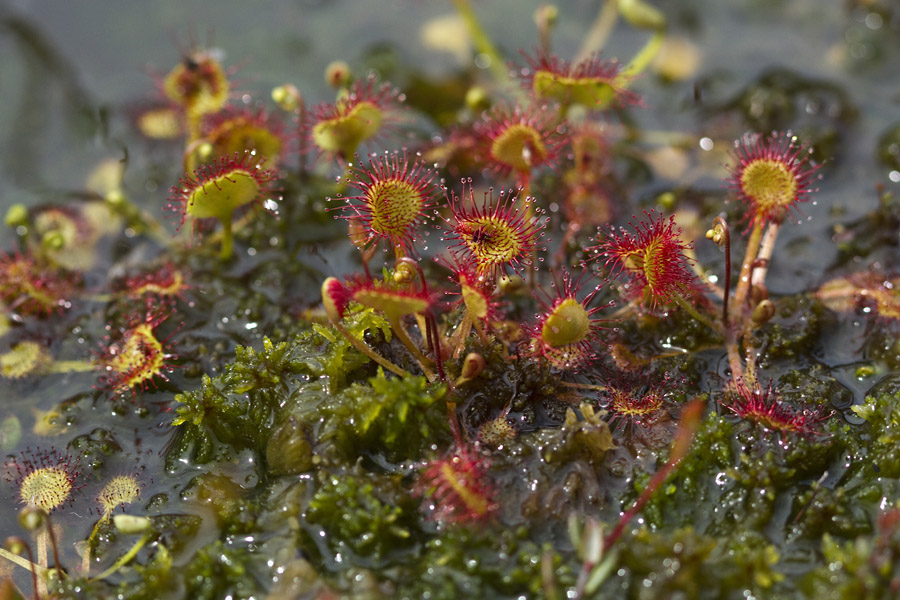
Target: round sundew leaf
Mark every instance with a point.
(343, 134)
(334, 298)
(23, 359)
(476, 302)
(588, 92)
(219, 197)
(393, 304)
(492, 240)
(395, 206)
(200, 84)
(120, 490)
(569, 323)
(520, 146)
(138, 359)
(243, 134)
(46, 488)
(770, 184)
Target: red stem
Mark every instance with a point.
(690, 421)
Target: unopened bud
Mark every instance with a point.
(719, 232)
(205, 151)
(287, 97)
(764, 311)
(131, 524)
(32, 518)
(510, 284)
(642, 15)
(404, 273)
(115, 198)
(477, 99)
(15, 544)
(473, 365)
(546, 15)
(337, 74)
(16, 215)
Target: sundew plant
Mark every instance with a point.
(571, 321)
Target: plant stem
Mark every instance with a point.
(715, 289)
(684, 437)
(643, 58)
(584, 386)
(482, 41)
(758, 273)
(725, 231)
(600, 30)
(70, 366)
(42, 558)
(36, 570)
(432, 331)
(49, 528)
(743, 286)
(362, 347)
(696, 314)
(125, 558)
(400, 331)
(227, 240)
(625, 311)
(734, 360)
(458, 339)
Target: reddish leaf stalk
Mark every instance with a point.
(690, 422)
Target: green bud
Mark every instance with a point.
(53, 240)
(510, 284)
(287, 97)
(131, 524)
(546, 15)
(32, 518)
(477, 99)
(764, 311)
(473, 365)
(642, 15)
(16, 215)
(337, 74)
(15, 544)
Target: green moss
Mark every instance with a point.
(879, 447)
(362, 515)
(400, 418)
(501, 562)
(682, 562)
(866, 567)
(235, 410)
